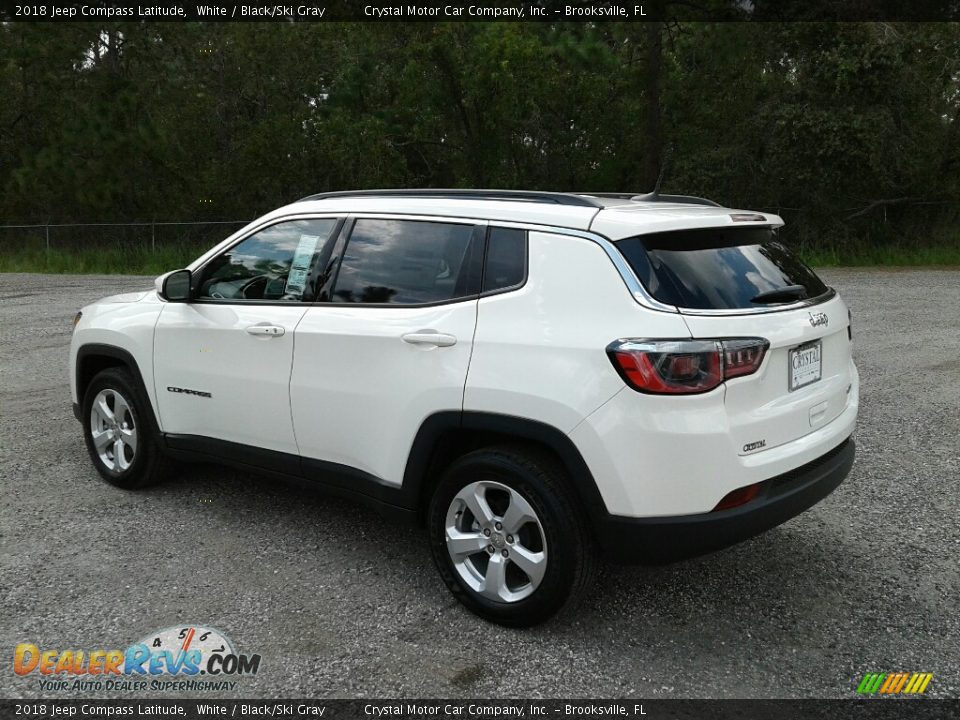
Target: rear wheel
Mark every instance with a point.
(507, 537)
(118, 433)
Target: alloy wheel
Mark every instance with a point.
(496, 541)
(113, 430)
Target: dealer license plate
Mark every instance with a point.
(805, 365)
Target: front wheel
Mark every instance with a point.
(118, 433)
(507, 536)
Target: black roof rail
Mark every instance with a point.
(654, 197)
(518, 195)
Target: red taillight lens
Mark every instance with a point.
(738, 497)
(671, 367)
(742, 356)
(685, 367)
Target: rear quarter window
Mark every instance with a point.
(505, 265)
(718, 268)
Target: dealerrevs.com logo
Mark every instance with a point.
(181, 658)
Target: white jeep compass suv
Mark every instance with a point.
(534, 376)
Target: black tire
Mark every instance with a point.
(147, 465)
(570, 554)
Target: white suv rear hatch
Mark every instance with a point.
(731, 282)
(763, 410)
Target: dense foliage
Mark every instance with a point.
(849, 130)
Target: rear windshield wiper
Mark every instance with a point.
(784, 294)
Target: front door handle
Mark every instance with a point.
(268, 330)
(430, 337)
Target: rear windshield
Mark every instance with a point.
(720, 268)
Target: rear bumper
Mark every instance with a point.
(666, 539)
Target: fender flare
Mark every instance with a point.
(417, 472)
(116, 353)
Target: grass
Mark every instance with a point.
(100, 261)
(140, 260)
(884, 256)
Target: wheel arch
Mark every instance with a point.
(93, 358)
(444, 436)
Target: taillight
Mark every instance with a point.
(668, 366)
(742, 356)
(685, 367)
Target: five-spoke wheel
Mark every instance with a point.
(496, 541)
(113, 430)
(119, 432)
(508, 535)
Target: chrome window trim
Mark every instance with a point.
(231, 242)
(702, 312)
(419, 217)
(800, 304)
(634, 286)
(640, 293)
(442, 219)
(250, 230)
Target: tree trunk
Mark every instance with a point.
(653, 140)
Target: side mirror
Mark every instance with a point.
(176, 286)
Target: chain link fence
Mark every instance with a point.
(140, 236)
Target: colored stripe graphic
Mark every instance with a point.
(889, 683)
(894, 683)
(871, 683)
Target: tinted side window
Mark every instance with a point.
(406, 262)
(506, 262)
(273, 264)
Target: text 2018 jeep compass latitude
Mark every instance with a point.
(534, 376)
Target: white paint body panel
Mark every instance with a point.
(359, 392)
(759, 406)
(122, 321)
(653, 455)
(206, 347)
(539, 354)
(540, 351)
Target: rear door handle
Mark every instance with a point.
(430, 337)
(268, 330)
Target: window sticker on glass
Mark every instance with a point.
(297, 279)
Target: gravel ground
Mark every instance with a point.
(341, 604)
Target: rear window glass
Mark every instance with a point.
(720, 268)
